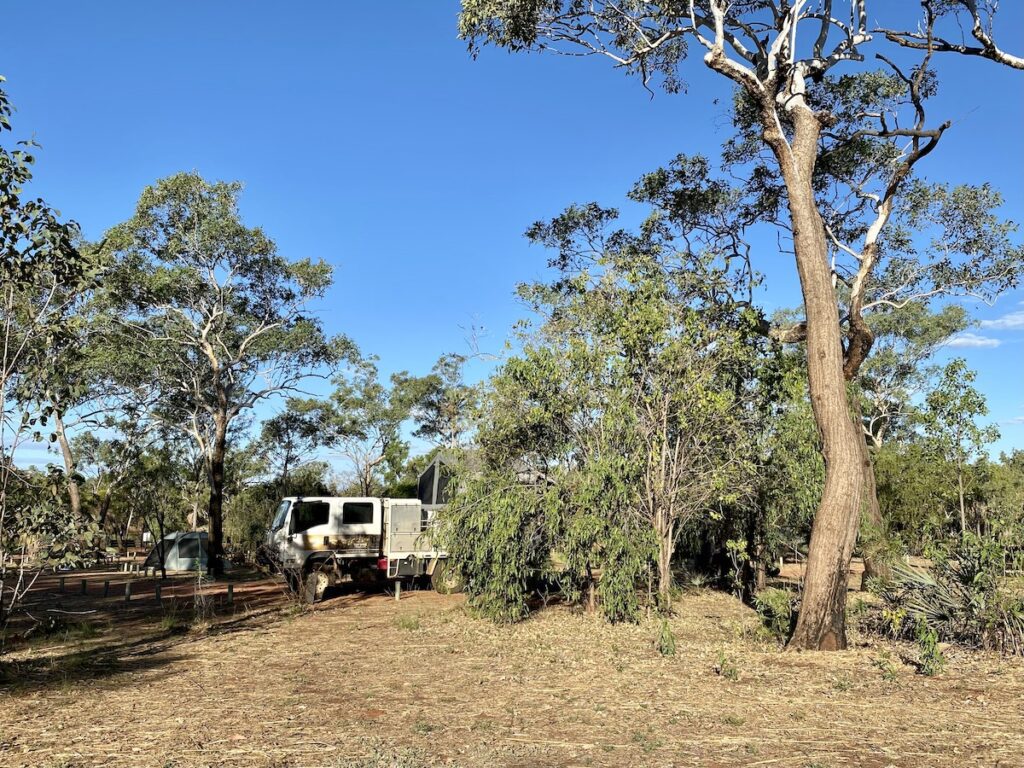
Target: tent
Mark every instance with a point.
(182, 551)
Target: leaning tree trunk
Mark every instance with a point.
(215, 550)
(875, 563)
(821, 624)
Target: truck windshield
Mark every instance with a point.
(282, 512)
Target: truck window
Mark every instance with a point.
(356, 512)
(306, 514)
(282, 512)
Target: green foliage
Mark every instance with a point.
(913, 493)
(736, 549)
(43, 275)
(906, 338)
(776, 609)
(666, 639)
(363, 422)
(288, 438)
(967, 596)
(628, 411)
(791, 472)
(443, 404)
(211, 318)
(725, 666)
(931, 660)
(497, 532)
(886, 666)
(949, 419)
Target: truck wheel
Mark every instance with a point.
(445, 579)
(316, 585)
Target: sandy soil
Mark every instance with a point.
(364, 680)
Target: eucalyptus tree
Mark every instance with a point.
(42, 276)
(214, 319)
(363, 421)
(830, 160)
(68, 380)
(106, 457)
(290, 438)
(629, 408)
(950, 420)
(443, 403)
(899, 370)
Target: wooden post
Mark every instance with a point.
(106, 587)
(231, 594)
(127, 591)
(158, 599)
(85, 586)
(398, 590)
(62, 585)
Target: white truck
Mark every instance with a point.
(320, 541)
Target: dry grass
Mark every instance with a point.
(366, 681)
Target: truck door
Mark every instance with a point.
(360, 527)
(277, 536)
(308, 529)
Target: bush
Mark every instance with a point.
(666, 640)
(776, 609)
(931, 660)
(965, 598)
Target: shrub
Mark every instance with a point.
(726, 667)
(964, 598)
(410, 623)
(666, 640)
(775, 607)
(931, 660)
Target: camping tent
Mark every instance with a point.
(182, 551)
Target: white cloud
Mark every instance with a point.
(1015, 420)
(1010, 321)
(972, 340)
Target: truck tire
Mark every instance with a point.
(445, 579)
(316, 584)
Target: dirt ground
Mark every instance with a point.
(364, 680)
(97, 596)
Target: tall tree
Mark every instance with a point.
(829, 159)
(289, 438)
(215, 317)
(906, 338)
(106, 462)
(363, 422)
(950, 419)
(443, 403)
(629, 409)
(42, 276)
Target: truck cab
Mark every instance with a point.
(319, 541)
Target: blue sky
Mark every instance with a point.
(372, 140)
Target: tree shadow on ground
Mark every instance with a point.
(117, 655)
(117, 663)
